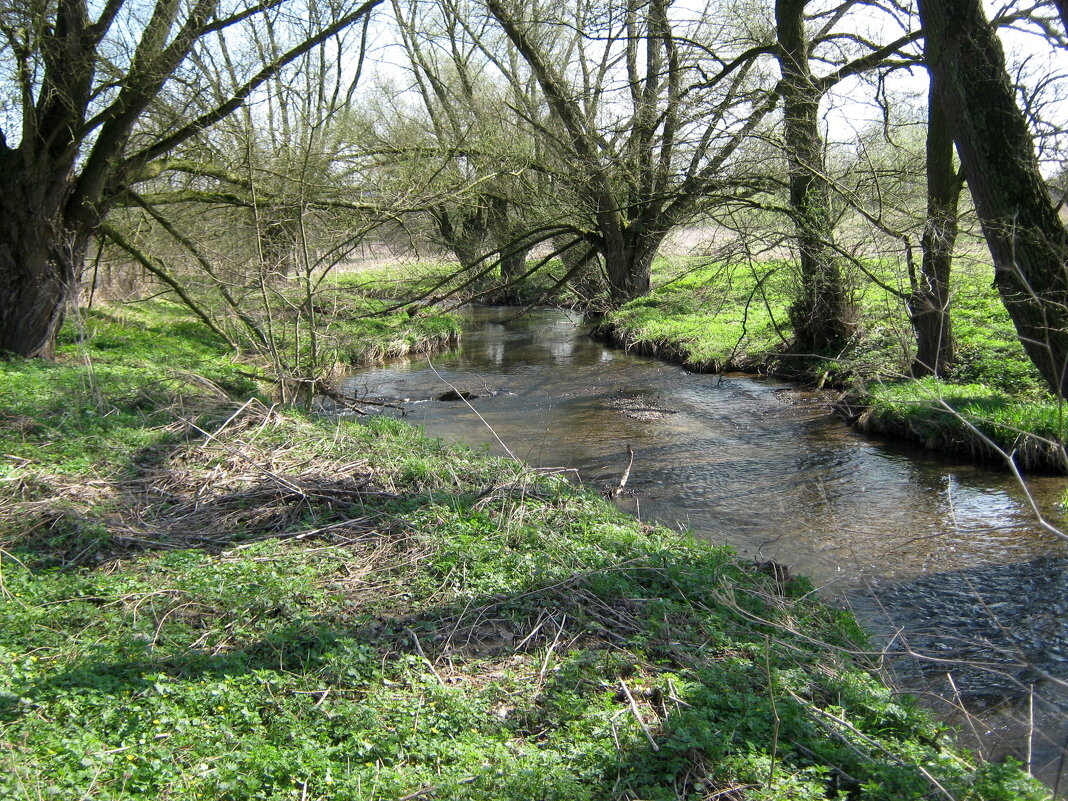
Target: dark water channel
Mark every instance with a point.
(936, 556)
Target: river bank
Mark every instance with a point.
(204, 596)
(992, 405)
(976, 421)
(713, 318)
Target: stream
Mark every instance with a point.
(935, 556)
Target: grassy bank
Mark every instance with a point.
(353, 328)
(716, 318)
(425, 281)
(124, 370)
(203, 596)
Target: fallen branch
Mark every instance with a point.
(626, 474)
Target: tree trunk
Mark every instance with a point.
(629, 267)
(507, 239)
(929, 303)
(822, 315)
(513, 262)
(40, 261)
(464, 233)
(1026, 238)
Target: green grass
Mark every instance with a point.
(126, 376)
(362, 330)
(710, 317)
(396, 281)
(946, 416)
(122, 378)
(299, 608)
(433, 280)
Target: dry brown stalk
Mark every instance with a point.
(638, 716)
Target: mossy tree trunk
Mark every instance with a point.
(929, 302)
(628, 261)
(1026, 238)
(508, 239)
(822, 315)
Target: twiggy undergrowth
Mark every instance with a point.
(249, 603)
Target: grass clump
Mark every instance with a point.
(947, 416)
(365, 330)
(295, 608)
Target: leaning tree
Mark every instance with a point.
(93, 104)
(1027, 240)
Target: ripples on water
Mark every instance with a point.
(932, 553)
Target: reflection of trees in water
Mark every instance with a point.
(535, 339)
(911, 512)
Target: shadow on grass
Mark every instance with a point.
(647, 675)
(457, 637)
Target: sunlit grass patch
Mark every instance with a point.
(708, 316)
(957, 417)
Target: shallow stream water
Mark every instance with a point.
(935, 555)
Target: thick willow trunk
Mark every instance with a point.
(40, 257)
(629, 266)
(464, 233)
(504, 231)
(929, 304)
(1027, 240)
(514, 262)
